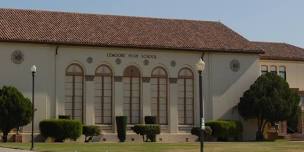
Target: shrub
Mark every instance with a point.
(15, 110)
(197, 132)
(60, 129)
(90, 131)
(64, 117)
(150, 131)
(150, 120)
(226, 129)
(140, 130)
(121, 122)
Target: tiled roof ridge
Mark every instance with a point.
(113, 15)
(280, 51)
(71, 28)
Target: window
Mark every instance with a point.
(273, 69)
(264, 69)
(103, 95)
(159, 90)
(282, 72)
(132, 91)
(74, 79)
(185, 97)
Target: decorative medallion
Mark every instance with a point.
(173, 63)
(146, 79)
(89, 60)
(235, 65)
(118, 61)
(17, 57)
(173, 80)
(89, 77)
(146, 62)
(118, 78)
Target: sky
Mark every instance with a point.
(256, 20)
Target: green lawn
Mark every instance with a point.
(282, 146)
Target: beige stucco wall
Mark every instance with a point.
(226, 87)
(294, 71)
(222, 87)
(20, 76)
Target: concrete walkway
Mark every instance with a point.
(12, 150)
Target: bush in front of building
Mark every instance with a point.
(60, 129)
(197, 132)
(121, 123)
(225, 130)
(15, 110)
(149, 131)
(90, 131)
(150, 119)
(269, 100)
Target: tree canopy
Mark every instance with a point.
(15, 110)
(269, 100)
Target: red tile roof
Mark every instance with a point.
(119, 31)
(280, 51)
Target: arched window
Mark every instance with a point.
(185, 97)
(282, 72)
(132, 91)
(273, 69)
(74, 103)
(264, 69)
(159, 90)
(103, 95)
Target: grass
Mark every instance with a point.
(282, 146)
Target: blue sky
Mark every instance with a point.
(260, 20)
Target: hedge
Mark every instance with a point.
(90, 131)
(148, 130)
(224, 130)
(121, 122)
(197, 132)
(60, 129)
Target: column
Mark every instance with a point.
(89, 100)
(173, 112)
(146, 97)
(118, 99)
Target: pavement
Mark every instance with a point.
(12, 150)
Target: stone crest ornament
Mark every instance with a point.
(173, 63)
(146, 62)
(90, 60)
(118, 61)
(17, 57)
(235, 65)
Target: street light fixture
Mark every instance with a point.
(33, 70)
(200, 66)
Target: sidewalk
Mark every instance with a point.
(12, 150)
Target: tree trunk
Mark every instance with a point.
(259, 135)
(4, 137)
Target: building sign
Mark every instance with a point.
(123, 55)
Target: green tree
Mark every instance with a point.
(15, 110)
(269, 100)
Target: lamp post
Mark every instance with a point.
(200, 66)
(34, 70)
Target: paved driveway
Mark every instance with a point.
(12, 150)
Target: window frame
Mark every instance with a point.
(127, 74)
(73, 89)
(103, 75)
(184, 78)
(158, 77)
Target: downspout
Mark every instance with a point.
(55, 82)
